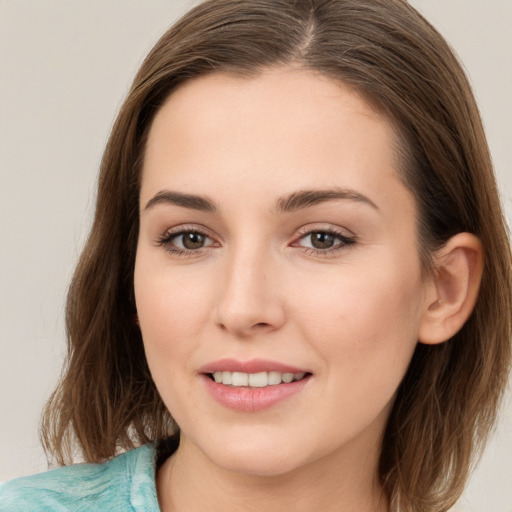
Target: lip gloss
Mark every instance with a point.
(247, 399)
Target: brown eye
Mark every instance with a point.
(322, 239)
(325, 242)
(192, 240)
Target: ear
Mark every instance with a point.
(451, 295)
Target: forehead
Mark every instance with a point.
(267, 135)
(267, 101)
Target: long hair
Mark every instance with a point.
(447, 402)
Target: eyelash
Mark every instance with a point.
(344, 241)
(167, 238)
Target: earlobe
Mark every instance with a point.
(452, 293)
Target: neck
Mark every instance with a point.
(339, 482)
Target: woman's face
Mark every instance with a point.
(276, 242)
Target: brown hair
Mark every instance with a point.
(448, 399)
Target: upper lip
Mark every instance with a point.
(250, 366)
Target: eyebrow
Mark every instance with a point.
(201, 203)
(306, 198)
(296, 201)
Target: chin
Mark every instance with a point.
(264, 465)
(255, 458)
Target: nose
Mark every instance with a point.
(250, 300)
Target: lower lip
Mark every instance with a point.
(253, 399)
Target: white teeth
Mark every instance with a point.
(287, 377)
(274, 378)
(255, 380)
(239, 379)
(258, 380)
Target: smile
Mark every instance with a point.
(255, 380)
(253, 385)
(253, 392)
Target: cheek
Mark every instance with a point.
(173, 309)
(366, 318)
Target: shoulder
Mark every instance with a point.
(126, 482)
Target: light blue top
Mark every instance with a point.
(125, 483)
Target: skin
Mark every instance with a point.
(351, 315)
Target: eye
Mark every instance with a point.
(190, 240)
(324, 241)
(185, 241)
(321, 239)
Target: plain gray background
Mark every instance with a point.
(65, 68)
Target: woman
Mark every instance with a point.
(296, 290)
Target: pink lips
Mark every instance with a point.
(252, 366)
(247, 399)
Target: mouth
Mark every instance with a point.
(253, 385)
(256, 380)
